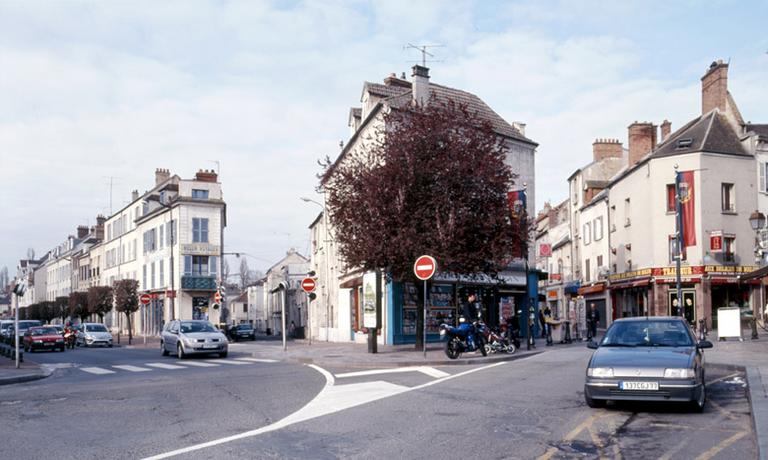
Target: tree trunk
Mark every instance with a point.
(130, 328)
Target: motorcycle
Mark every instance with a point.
(496, 341)
(463, 338)
(70, 336)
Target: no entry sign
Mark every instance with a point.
(425, 267)
(145, 299)
(308, 284)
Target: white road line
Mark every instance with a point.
(129, 368)
(164, 366)
(430, 371)
(199, 364)
(257, 360)
(96, 370)
(332, 398)
(226, 361)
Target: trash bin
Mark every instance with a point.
(298, 333)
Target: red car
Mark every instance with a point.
(43, 338)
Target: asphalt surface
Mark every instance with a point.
(529, 408)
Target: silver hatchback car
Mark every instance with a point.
(188, 337)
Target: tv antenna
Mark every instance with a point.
(111, 185)
(424, 53)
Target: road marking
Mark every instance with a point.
(724, 378)
(129, 368)
(97, 370)
(432, 372)
(199, 364)
(721, 445)
(324, 403)
(225, 361)
(586, 424)
(164, 366)
(257, 360)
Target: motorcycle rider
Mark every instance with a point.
(69, 334)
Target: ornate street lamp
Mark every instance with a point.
(757, 220)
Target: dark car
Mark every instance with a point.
(647, 359)
(242, 331)
(43, 338)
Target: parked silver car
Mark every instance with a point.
(647, 359)
(187, 337)
(94, 334)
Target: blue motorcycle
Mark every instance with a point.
(462, 338)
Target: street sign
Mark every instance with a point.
(308, 284)
(145, 299)
(217, 297)
(425, 267)
(170, 294)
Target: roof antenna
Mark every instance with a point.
(424, 53)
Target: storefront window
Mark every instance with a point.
(440, 309)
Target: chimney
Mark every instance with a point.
(519, 126)
(99, 232)
(666, 130)
(161, 175)
(420, 84)
(607, 148)
(714, 87)
(135, 194)
(82, 232)
(392, 80)
(642, 139)
(204, 175)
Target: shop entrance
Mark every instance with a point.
(200, 307)
(689, 304)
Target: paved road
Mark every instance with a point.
(531, 408)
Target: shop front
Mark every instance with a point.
(596, 294)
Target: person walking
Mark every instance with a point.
(593, 317)
(547, 324)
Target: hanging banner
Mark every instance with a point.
(369, 300)
(687, 207)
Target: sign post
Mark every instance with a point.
(424, 269)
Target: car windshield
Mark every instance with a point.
(96, 328)
(650, 333)
(44, 331)
(6, 326)
(244, 327)
(197, 326)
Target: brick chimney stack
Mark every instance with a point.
(642, 139)
(714, 87)
(161, 175)
(420, 86)
(607, 148)
(203, 175)
(99, 231)
(82, 231)
(666, 130)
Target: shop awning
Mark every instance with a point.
(632, 284)
(759, 273)
(591, 289)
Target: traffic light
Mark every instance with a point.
(215, 306)
(312, 296)
(311, 274)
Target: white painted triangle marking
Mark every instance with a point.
(130, 368)
(96, 370)
(226, 361)
(164, 366)
(430, 371)
(257, 360)
(199, 364)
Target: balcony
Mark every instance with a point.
(198, 282)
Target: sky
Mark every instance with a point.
(261, 91)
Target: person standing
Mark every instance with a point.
(547, 324)
(593, 317)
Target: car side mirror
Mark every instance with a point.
(704, 344)
(592, 345)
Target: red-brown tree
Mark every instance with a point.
(127, 301)
(100, 299)
(78, 305)
(435, 182)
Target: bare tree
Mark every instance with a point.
(224, 270)
(4, 280)
(245, 274)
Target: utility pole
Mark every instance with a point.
(678, 240)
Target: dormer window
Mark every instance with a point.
(200, 194)
(684, 143)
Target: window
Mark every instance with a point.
(671, 198)
(586, 270)
(201, 194)
(150, 240)
(612, 218)
(144, 277)
(597, 227)
(109, 232)
(627, 213)
(160, 238)
(187, 265)
(152, 272)
(162, 273)
(728, 248)
(214, 265)
(199, 265)
(199, 230)
(170, 232)
(599, 261)
(587, 235)
(762, 168)
(673, 250)
(727, 197)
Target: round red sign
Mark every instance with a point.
(217, 297)
(145, 299)
(308, 284)
(425, 267)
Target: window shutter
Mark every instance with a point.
(762, 176)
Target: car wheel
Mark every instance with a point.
(593, 403)
(223, 355)
(162, 347)
(180, 351)
(701, 401)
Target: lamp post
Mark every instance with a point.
(326, 270)
(757, 222)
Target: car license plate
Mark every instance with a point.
(643, 386)
(210, 345)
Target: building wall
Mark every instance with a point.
(594, 239)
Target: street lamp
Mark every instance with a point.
(327, 268)
(757, 221)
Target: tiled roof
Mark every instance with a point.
(381, 90)
(708, 133)
(356, 112)
(760, 130)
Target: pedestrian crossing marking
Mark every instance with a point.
(130, 368)
(164, 366)
(257, 360)
(199, 364)
(96, 370)
(226, 361)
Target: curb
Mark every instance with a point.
(758, 402)
(25, 377)
(396, 364)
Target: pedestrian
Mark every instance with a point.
(593, 317)
(542, 322)
(547, 315)
(292, 329)
(469, 308)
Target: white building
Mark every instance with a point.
(288, 272)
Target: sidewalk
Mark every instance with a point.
(25, 373)
(753, 355)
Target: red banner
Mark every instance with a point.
(687, 203)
